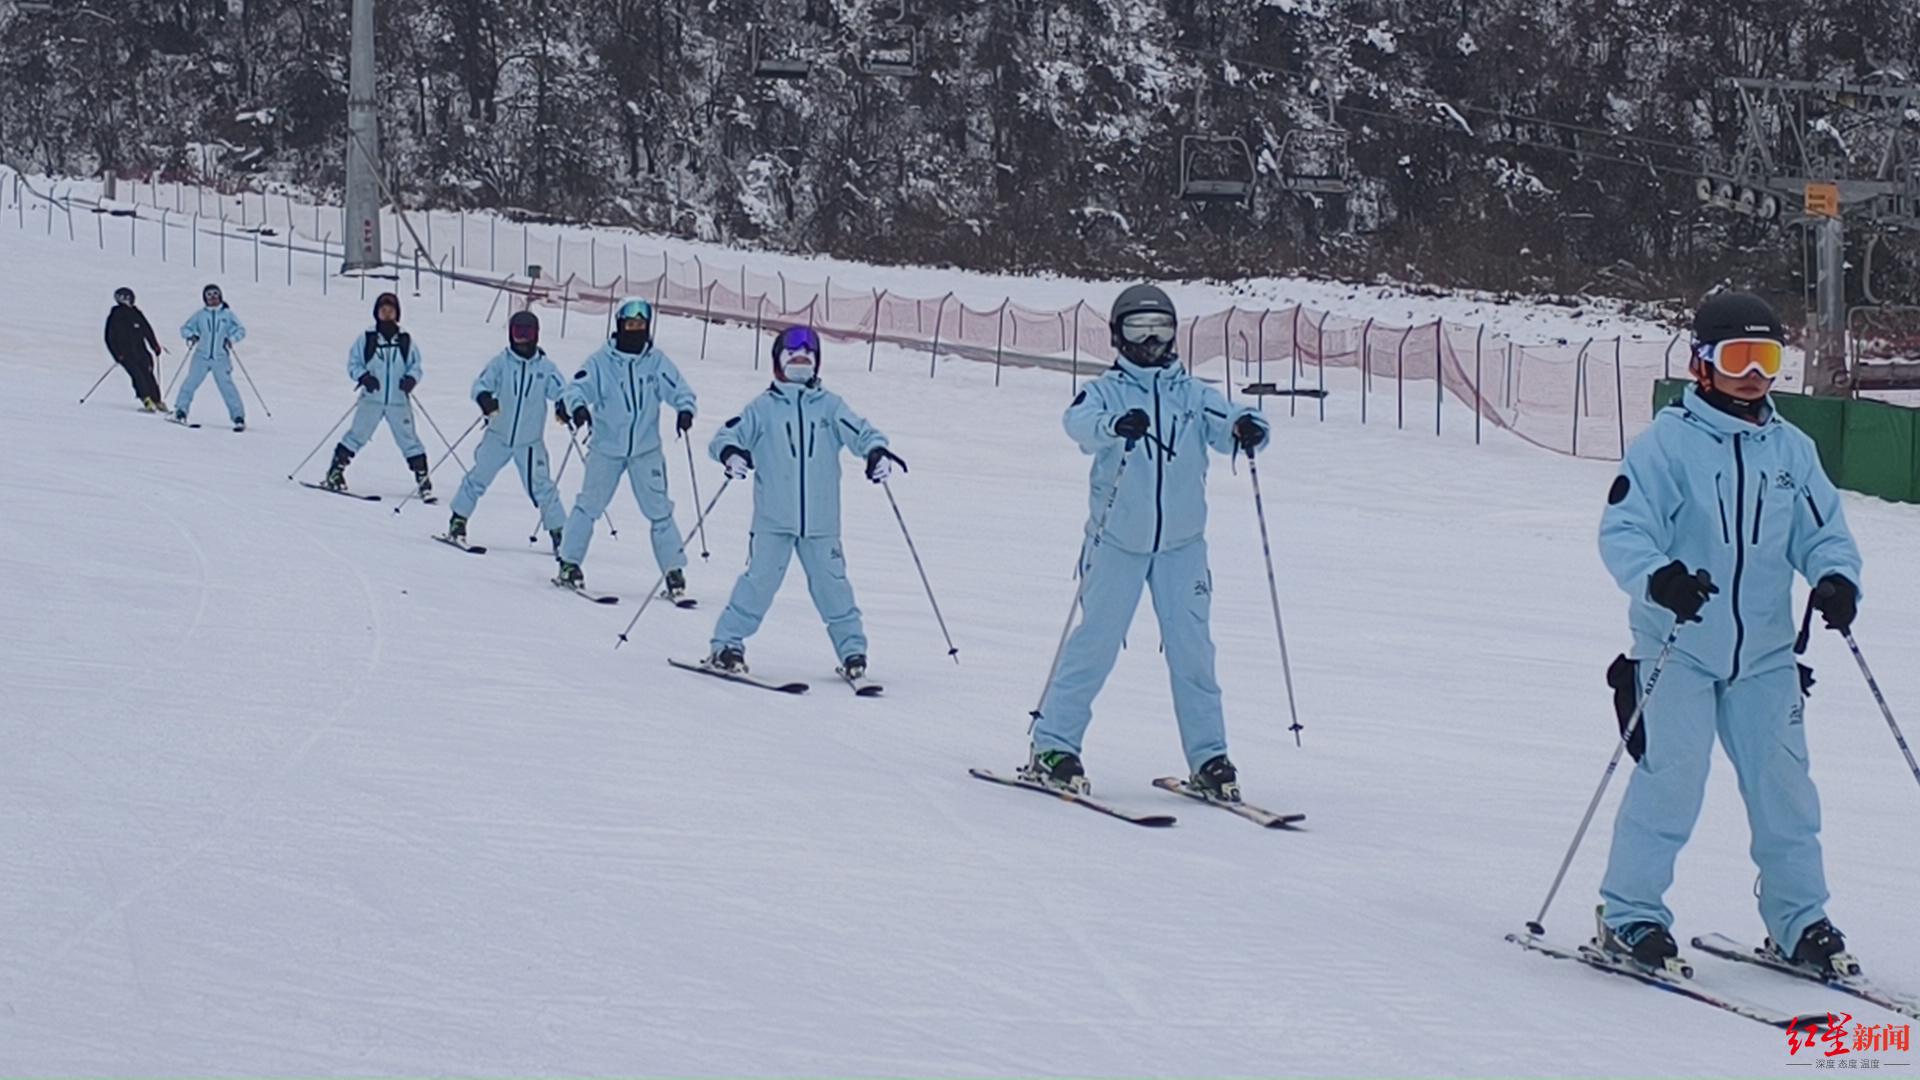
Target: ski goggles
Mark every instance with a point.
(1736, 357)
(1146, 326)
(211, 295)
(798, 341)
(633, 309)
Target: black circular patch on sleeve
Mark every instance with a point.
(1618, 493)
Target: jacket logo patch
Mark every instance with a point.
(1202, 588)
(1784, 481)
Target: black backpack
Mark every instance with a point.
(373, 342)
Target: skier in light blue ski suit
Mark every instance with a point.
(1716, 506)
(513, 392)
(210, 334)
(1148, 415)
(790, 438)
(385, 364)
(619, 392)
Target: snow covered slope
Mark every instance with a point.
(288, 789)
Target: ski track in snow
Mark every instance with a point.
(289, 790)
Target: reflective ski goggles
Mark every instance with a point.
(1736, 357)
(1147, 326)
(797, 341)
(631, 310)
(211, 296)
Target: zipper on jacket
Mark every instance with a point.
(633, 409)
(1759, 509)
(1159, 465)
(1818, 521)
(1739, 552)
(800, 407)
(1720, 497)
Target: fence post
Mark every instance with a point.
(939, 320)
(133, 234)
(1075, 362)
(326, 242)
(1666, 361)
(196, 241)
(442, 275)
(1400, 379)
(873, 339)
(559, 253)
(783, 289)
(1293, 401)
(163, 234)
(828, 293)
(1366, 366)
(566, 303)
(223, 239)
(759, 312)
(493, 242)
(1320, 362)
(1439, 378)
(416, 275)
(100, 227)
(1260, 350)
(1620, 398)
(1000, 342)
(289, 250)
(526, 247)
(593, 259)
(1476, 382)
(706, 320)
(1226, 361)
(256, 256)
(1579, 382)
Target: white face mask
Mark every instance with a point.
(798, 371)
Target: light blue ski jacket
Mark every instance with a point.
(624, 393)
(524, 389)
(795, 434)
(389, 365)
(213, 330)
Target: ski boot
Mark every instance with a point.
(1646, 944)
(855, 666)
(676, 585)
(337, 472)
(1056, 769)
(151, 405)
(731, 659)
(570, 576)
(1822, 950)
(418, 463)
(179, 416)
(1217, 779)
(457, 530)
(239, 426)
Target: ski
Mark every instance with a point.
(1152, 821)
(1264, 818)
(683, 601)
(471, 549)
(704, 668)
(584, 594)
(862, 686)
(348, 494)
(1595, 958)
(1857, 985)
(183, 423)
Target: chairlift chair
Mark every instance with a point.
(769, 65)
(1215, 168)
(891, 50)
(1314, 161)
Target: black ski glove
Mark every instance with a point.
(1249, 434)
(1133, 424)
(407, 383)
(368, 383)
(1680, 590)
(560, 412)
(878, 468)
(488, 403)
(581, 417)
(1837, 601)
(685, 422)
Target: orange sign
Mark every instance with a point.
(1823, 200)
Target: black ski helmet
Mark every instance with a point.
(1138, 300)
(383, 300)
(524, 326)
(123, 295)
(1730, 315)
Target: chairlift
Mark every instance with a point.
(1215, 168)
(891, 50)
(770, 64)
(1314, 161)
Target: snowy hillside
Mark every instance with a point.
(288, 789)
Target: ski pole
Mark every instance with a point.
(1273, 593)
(660, 582)
(477, 421)
(612, 529)
(1881, 699)
(249, 375)
(693, 477)
(1100, 528)
(324, 438)
(952, 649)
(534, 536)
(436, 430)
(1537, 926)
(97, 382)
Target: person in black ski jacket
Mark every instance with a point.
(131, 342)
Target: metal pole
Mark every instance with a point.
(1439, 376)
(873, 338)
(361, 212)
(1273, 592)
(1476, 382)
(1366, 367)
(1619, 398)
(952, 649)
(1881, 700)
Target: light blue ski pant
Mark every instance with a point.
(647, 474)
(826, 567)
(1183, 601)
(399, 417)
(490, 457)
(1760, 721)
(222, 372)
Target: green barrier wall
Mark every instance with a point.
(1866, 446)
